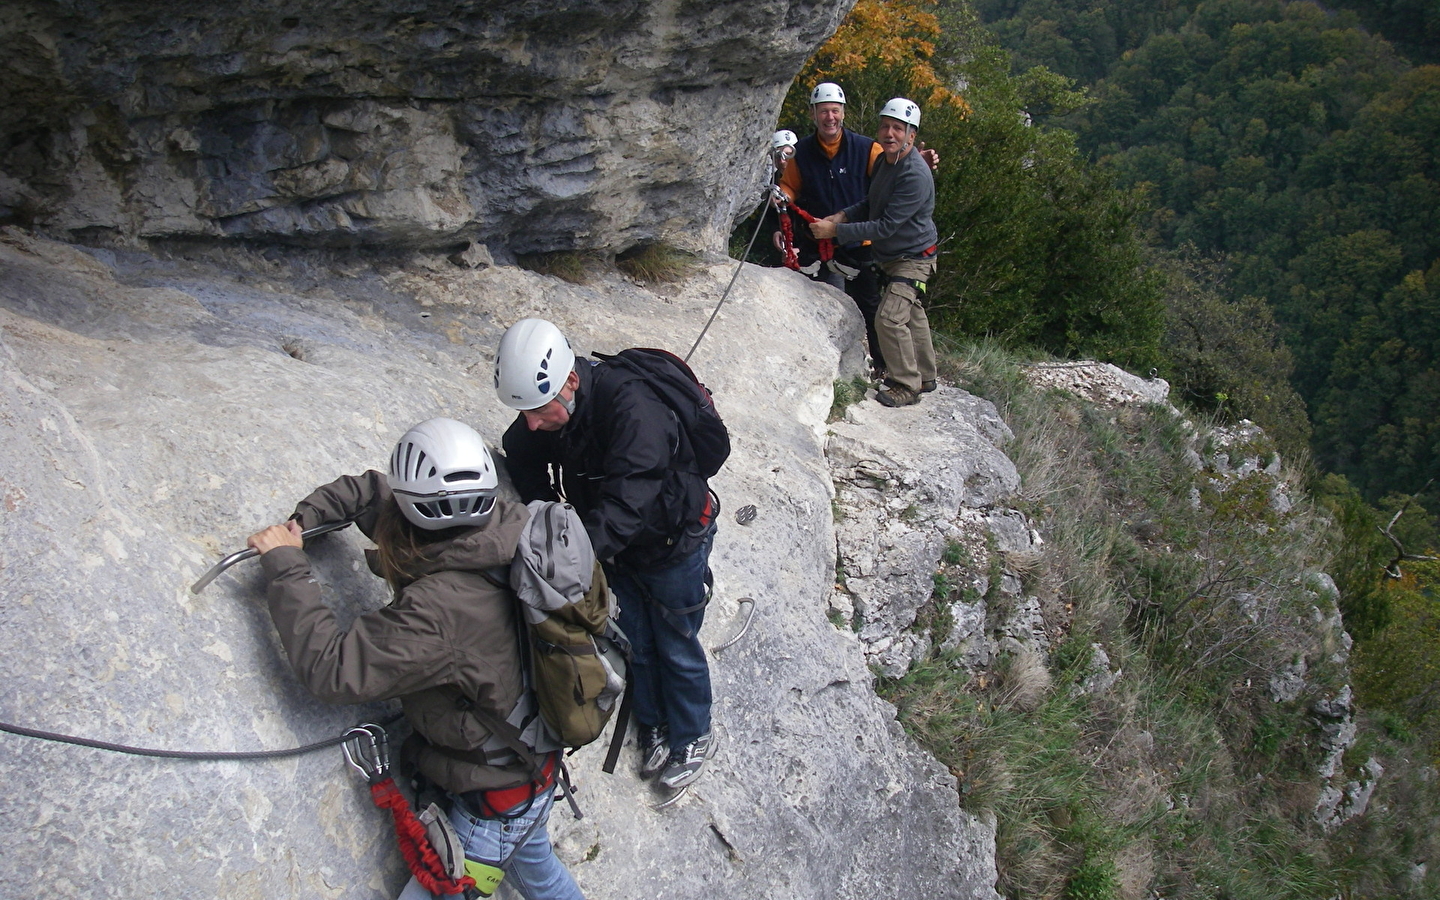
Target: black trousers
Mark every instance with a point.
(864, 288)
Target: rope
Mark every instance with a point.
(177, 754)
(760, 220)
(415, 846)
(792, 257)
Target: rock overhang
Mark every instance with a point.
(528, 126)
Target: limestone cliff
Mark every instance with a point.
(156, 410)
(269, 194)
(530, 126)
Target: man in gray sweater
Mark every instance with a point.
(896, 216)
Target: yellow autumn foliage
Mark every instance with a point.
(894, 35)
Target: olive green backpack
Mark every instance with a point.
(578, 657)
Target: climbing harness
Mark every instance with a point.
(251, 552)
(673, 616)
(367, 750)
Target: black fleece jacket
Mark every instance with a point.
(624, 463)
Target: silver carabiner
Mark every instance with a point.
(367, 750)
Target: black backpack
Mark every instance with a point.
(673, 382)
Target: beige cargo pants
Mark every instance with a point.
(903, 327)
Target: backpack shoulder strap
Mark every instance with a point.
(509, 734)
(616, 371)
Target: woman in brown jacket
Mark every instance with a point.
(446, 646)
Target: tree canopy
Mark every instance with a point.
(1038, 247)
(1304, 150)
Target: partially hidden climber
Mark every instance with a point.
(447, 645)
(831, 170)
(896, 217)
(782, 148)
(597, 434)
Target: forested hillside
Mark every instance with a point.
(1244, 195)
(1295, 148)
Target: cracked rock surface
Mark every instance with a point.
(917, 489)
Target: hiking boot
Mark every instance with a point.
(895, 395)
(654, 749)
(686, 763)
(927, 386)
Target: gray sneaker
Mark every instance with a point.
(686, 763)
(654, 749)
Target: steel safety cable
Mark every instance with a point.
(759, 223)
(179, 754)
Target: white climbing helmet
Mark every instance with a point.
(442, 476)
(783, 138)
(827, 92)
(531, 364)
(902, 109)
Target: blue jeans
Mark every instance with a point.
(669, 671)
(521, 846)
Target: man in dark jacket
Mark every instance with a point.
(596, 435)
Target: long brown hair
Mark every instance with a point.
(401, 547)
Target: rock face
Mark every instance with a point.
(1100, 383)
(527, 126)
(911, 484)
(156, 411)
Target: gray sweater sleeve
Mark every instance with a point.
(896, 215)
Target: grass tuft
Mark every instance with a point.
(1024, 681)
(567, 265)
(847, 394)
(657, 263)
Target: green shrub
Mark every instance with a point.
(1094, 880)
(955, 554)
